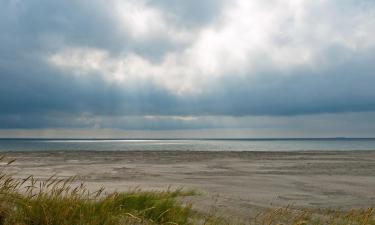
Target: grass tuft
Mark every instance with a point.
(62, 202)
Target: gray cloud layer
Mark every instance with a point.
(153, 66)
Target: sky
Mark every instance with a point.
(223, 68)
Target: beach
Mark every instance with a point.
(229, 183)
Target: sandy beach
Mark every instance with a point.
(231, 183)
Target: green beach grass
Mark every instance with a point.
(64, 202)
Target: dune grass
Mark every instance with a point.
(289, 216)
(65, 202)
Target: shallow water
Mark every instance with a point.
(333, 144)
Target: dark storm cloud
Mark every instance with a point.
(31, 99)
(28, 25)
(346, 87)
(48, 91)
(34, 94)
(42, 26)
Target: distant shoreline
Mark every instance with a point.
(193, 145)
(283, 152)
(195, 139)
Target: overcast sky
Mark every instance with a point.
(243, 68)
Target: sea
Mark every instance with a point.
(276, 144)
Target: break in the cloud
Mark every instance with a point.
(157, 64)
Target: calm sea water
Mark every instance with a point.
(188, 145)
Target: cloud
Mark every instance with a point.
(163, 63)
(249, 37)
(193, 13)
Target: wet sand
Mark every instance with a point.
(232, 183)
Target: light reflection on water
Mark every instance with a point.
(188, 145)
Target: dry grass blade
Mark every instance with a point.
(11, 161)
